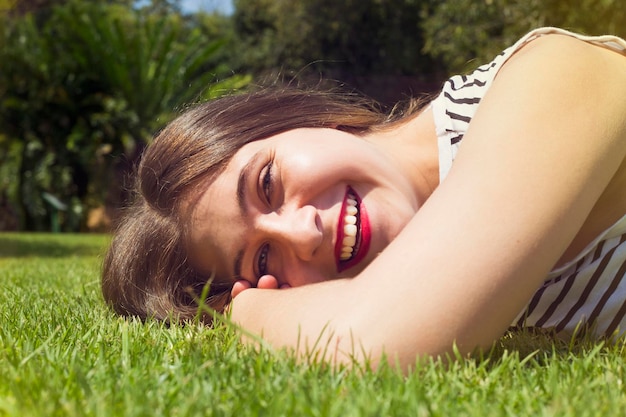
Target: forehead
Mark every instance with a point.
(215, 225)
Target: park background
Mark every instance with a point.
(84, 85)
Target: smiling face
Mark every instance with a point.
(304, 206)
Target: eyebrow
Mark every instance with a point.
(241, 188)
(242, 182)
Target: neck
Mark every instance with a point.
(412, 145)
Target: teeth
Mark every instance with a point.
(349, 229)
(349, 241)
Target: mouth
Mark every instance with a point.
(353, 232)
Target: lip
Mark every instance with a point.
(363, 235)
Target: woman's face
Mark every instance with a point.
(304, 206)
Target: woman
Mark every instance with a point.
(524, 224)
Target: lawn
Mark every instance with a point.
(63, 353)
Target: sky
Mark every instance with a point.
(222, 6)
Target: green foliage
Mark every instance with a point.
(84, 85)
(465, 32)
(63, 353)
(360, 36)
(401, 37)
(587, 16)
(89, 83)
(38, 109)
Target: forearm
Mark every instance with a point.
(312, 320)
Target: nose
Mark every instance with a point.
(294, 227)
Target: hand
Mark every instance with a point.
(266, 282)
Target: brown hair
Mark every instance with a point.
(146, 272)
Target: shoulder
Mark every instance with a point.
(556, 77)
(567, 57)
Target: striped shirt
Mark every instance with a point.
(588, 292)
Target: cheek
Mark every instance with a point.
(321, 154)
(387, 220)
(312, 175)
(302, 163)
(306, 275)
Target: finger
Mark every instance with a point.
(239, 286)
(267, 282)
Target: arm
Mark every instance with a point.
(547, 139)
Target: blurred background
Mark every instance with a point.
(84, 85)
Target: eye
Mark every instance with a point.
(266, 183)
(262, 258)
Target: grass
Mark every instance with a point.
(63, 353)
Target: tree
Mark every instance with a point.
(355, 41)
(464, 32)
(81, 94)
(366, 36)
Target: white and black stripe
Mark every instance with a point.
(591, 292)
(591, 289)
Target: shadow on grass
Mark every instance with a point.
(544, 344)
(18, 245)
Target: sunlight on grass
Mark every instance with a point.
(63, 353)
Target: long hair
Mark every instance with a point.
(146, 272)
